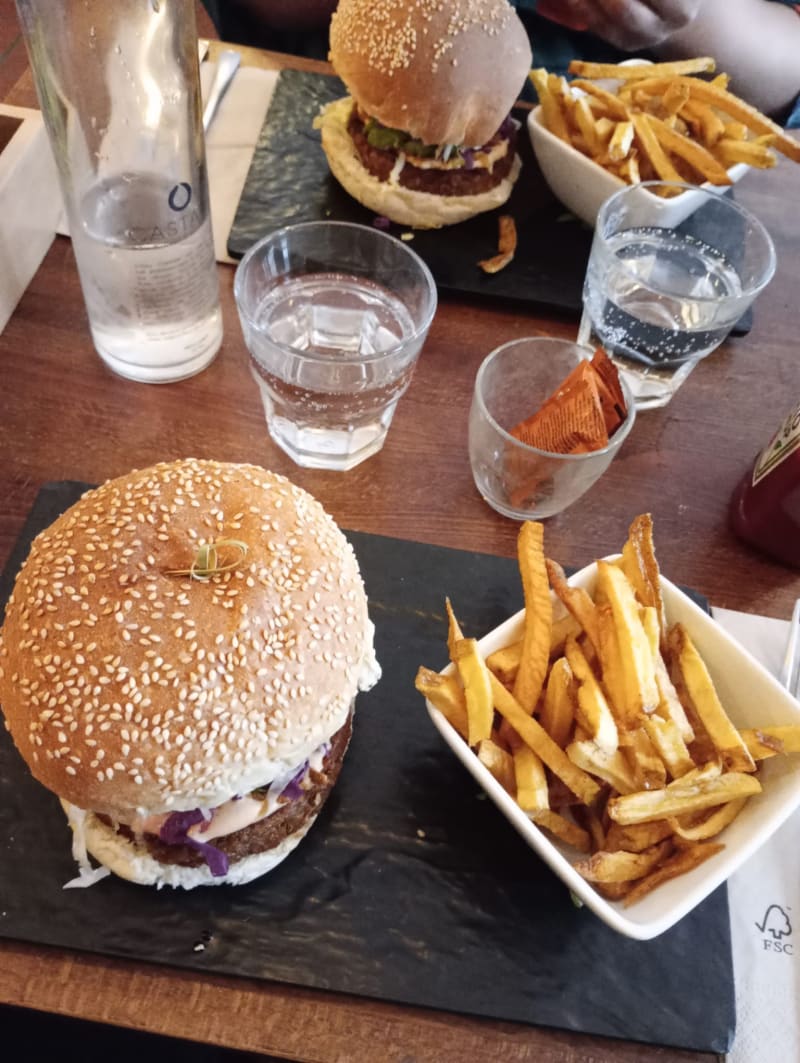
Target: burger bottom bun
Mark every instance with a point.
(134, 863)
(421, 210)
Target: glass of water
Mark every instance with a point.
(663, 291)
(334, 316)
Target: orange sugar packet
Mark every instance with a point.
(609, 390)
(581, 414)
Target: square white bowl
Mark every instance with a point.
(752, 697)
(583, 185)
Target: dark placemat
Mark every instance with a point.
(410, 887)
(289, 181)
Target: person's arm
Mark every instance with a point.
(757, 42)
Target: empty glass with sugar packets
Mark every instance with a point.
(334, 316)
(660, 294)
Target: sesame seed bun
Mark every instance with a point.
(132, 690)
(406, 206)
(445, 72)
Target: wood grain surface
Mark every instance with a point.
(64, 416)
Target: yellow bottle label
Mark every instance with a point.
(785, 442)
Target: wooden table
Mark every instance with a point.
(64, 416)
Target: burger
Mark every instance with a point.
(179, 662)
(424, 137)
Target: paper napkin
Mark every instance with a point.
(764, 898)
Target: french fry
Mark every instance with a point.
(477, 689)
(454, 632)
(563, 828)
(576, 599)
(750, 152)
(499, 762)
(763, 742)
(562, 628)
(680, 797)
(585, 121)
(674, 98)
(695, 154)
(647, 766)
(621, 141)
(592, 710)
(635, 837)
(505, 662)
(641, 567)
(622, 866)
(702, 118)
(506, 245)
(666, 737)
(538, 616)
(638, 669)
(447, 695)
(615, 108)
(532, 793)
(700, 688)
(736, 109)
(588, 819)
(620, 72)
(648, 142)
(612, 768)
(558, 706)
(683, 861)
(711, 825)
(532, 732)
(610, 658)
(552, 109)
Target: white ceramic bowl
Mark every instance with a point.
(750, 695)
(583, 185)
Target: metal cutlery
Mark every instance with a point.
(790, 673)
(227, 65)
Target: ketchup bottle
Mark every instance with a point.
(765, 507)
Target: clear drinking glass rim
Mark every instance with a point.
(378, 356)
(616, 440)
(751, 291)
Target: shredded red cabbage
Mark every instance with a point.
(468, 155)
(292, 789)
(381, 222)
(175, 831)
(507, 127)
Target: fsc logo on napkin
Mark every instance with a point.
(777, 925)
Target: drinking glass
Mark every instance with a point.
(518, 480)
(334, 316)
(660, 296)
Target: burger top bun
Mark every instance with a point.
(130, 688)
(445, 71)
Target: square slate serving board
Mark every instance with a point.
(410, 887)
(289, 182)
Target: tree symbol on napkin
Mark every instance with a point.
(776, 921)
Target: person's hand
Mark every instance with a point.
(627, 24)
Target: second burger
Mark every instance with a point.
(425, 137)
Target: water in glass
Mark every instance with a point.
(658, 300)
(148, 275)
(321, 350)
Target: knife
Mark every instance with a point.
(227, 65)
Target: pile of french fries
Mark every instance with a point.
(603, 722)
(660, 121)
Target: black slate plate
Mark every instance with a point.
(289, 181)
(410, 887)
